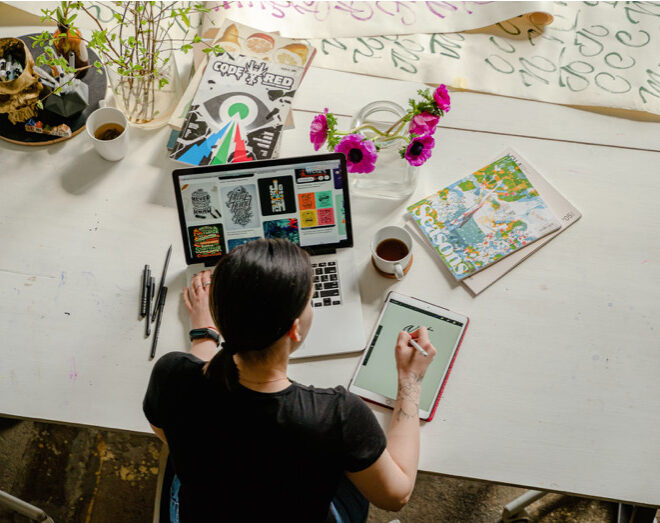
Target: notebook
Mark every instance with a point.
(560, 206)
(484, 217)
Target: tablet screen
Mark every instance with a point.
(378, 370)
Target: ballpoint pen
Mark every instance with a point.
(162, 282)
(143, 296)
(150, 296)
(159, 308)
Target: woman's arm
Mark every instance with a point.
(196, 300)
(389, 482)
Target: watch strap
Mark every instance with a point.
(199, 334)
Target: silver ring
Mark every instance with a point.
(206, 283)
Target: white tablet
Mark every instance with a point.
(375, 378)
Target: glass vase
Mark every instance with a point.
(393, 177)
(140, 98)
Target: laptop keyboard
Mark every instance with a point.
(326, 284)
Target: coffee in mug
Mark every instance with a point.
(392, 249)
(108, 131)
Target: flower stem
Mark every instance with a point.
(370, 127)
(394, 125)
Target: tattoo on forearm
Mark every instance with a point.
(408, 397)
(402, 414)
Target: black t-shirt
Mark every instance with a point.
(253, 456)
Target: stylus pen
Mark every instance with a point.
(162, 282)
(160, 307)
(418, 347)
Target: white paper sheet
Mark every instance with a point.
(340, 19)
(597, 54)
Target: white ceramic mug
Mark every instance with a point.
(390, 266)
(116, 148)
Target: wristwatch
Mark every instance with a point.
(198, 334)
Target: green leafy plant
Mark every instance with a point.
(137, 48)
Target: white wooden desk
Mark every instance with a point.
(556, 386)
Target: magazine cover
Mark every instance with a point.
(238, 111)
(240, 39)
(483, 217)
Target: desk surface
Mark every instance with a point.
(556, 383)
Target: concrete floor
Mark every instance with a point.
(86, 475)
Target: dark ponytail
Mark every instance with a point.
(257, 292)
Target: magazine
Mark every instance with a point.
(240, 39)
(238, 112)
(484, 217)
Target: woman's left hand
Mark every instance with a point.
(196, 300)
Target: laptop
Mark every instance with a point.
(304, 200)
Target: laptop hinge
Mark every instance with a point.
(317, 251)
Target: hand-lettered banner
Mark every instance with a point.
(594, 53)
(342, 19)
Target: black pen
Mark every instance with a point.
(150, 287)
(160, 307)
(143, 296)
(162, 282)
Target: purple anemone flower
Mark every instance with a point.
(423, 123)
(361, 154)
(318, 130)
(441, 97)
(419, 150)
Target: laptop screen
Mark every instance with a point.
(304, 200)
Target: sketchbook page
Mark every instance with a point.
(560, 206)
(359, 19)
(593, 54)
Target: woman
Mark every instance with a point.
(247, 443)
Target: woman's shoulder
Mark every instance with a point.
(329, 392)
(177, 362)
(334, 406)
(336, 396)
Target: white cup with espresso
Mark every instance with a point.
(107, 129)
(391, 251)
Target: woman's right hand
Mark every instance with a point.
(410, 363)
(196, 300)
